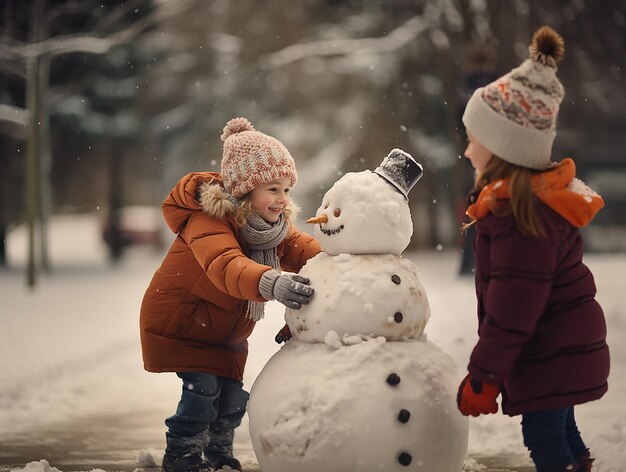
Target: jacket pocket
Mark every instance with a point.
(203, 323)
(181, 319)
(241, 329)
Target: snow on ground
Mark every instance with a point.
(70, 348)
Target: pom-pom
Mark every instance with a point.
(236, 125)
(547, 46)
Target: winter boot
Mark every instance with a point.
(585, 462)
(184, 455)
(218, 452)
(190, 461)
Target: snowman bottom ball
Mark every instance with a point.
(370, 406)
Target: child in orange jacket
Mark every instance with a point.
(234, 235)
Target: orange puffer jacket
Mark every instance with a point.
(193, 315)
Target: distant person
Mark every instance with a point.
(234, 235)
(541, 332)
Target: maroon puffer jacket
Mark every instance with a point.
(541, 331)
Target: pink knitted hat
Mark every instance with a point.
(252, 158)
(515, 116)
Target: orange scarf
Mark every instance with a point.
(557, 187)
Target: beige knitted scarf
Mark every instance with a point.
(261, 240)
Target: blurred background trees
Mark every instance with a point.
(340, 82)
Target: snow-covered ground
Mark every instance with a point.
(70, 348)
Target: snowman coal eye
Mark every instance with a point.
(325, 206)
(337, 212)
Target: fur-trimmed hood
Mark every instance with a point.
(183, 201)
(204, 191)
(215, 201)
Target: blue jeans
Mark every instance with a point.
(206, 398)
(552, 438)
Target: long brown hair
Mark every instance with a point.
(521, 202)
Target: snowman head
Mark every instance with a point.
(363, 214)
(367, 212)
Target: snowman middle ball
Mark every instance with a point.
(367, 295)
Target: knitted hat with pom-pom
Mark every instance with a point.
(515, 116)
(252, 158)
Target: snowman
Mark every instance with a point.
(359, 387)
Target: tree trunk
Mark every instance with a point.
(33, 177)
(45, 194)
(3, 246)
(33, 173)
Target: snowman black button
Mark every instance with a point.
(393, 379)
(404, 415)
(405, 459)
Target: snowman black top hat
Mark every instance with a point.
(400, 170)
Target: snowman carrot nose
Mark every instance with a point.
(318, 220)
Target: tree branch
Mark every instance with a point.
(65, 44)
(13, 67)
(13, 115)
(397, 38)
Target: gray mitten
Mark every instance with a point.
(289, 289)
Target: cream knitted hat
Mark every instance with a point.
(252, 158)
(515, 116)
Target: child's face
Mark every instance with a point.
(270, 200)
(477, 153)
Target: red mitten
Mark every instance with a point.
(477, 398)
(283, 335)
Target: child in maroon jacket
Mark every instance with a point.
(541, 332)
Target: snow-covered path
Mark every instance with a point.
(73, 390)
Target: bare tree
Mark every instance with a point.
(32, 61)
